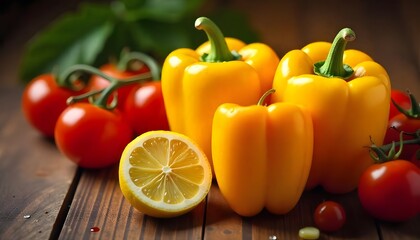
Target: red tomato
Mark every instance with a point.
(408, 125)
(43, 101)
(402, 99)
(97, 82)
(390, 191)
(329, 216)
(144, 108)
(91, 136)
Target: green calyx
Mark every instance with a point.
(100, 97)
(333, 66)
(414, 111)
(219, 51)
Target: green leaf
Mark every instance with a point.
(115, 43)
(72, 39)
(97, 33)
(161, 38)
(132, 4)
(162, 10)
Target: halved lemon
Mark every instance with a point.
(164, 174)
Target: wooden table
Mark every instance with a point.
(45, 196)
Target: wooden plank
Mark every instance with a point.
(402, 231)
(223, 223)
(34, 176)
(99, 204)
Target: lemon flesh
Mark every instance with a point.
(164, 174)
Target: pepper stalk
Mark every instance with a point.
(219, 51)
(333, 66)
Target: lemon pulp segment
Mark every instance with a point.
(164, 174)
(166, 170)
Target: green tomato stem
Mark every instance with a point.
(73, 78)
(333, 66)
(219, 51)
(78, 98)
(388, 152)
(128, 59)
(73, 73)
(102, 100)
(104, 94)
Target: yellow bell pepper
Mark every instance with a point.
(348, 96)
(262, 155)
(196, 82)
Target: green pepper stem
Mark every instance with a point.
(264, 96)
(128, 58)
(219, 51)
(333, 66)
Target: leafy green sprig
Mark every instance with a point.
(96, 33)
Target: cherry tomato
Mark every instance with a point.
(91, 136)
(408, 125)
(97, 82)
(390, 191)
(329, 216)
(144, 108)
(43, 101)
(402, 99)
(408, 121)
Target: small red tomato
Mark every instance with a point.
(144, 108)
(402, 99)
(408, 121)
(43, 101)
(91, 136)
(329, 216)
(390, 191)
(98, 83)
(408, 125)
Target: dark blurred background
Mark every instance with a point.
(388, 30)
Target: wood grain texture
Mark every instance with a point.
(387, 31)
(99, 203)
(223, 223)
(64, 202)
(34, 176)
